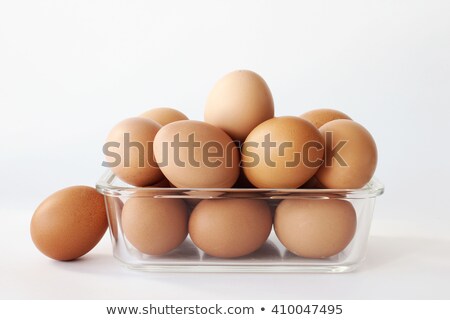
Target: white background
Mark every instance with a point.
(70, 70)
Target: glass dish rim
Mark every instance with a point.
(106, 186)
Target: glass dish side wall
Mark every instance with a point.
(271, 257)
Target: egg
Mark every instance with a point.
(164, 115)
(129, 152)
(313, 228)
(350, 156)
(268, 251)
(195, 154)
(155, 226)
(282, 152)
(230, 228)
(69, 223)
(319, 117)
(238, 102)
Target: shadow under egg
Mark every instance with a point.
(186, 251)
(266, 252)
(292, 257)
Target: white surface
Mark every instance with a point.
(69, 70)
(406, 260)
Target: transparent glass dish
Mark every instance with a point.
(271, 257)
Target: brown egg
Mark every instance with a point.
(230, 228)
(129, 152)
(282, 152)
(155, 226)
(195, 154)
(319, 117)
(350, 156)
(238, 103)
(315, 228)
(164, 115)
(69, 223)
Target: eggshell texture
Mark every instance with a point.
(164, 115)
(279, 167)
(141, 169)
(315, 228)
(238, 103)
(359, 154)
(196, 166)
(69, 223)
(155, 226)
(230, 228)
(319, 117)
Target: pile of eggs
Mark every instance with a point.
(240, 144)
